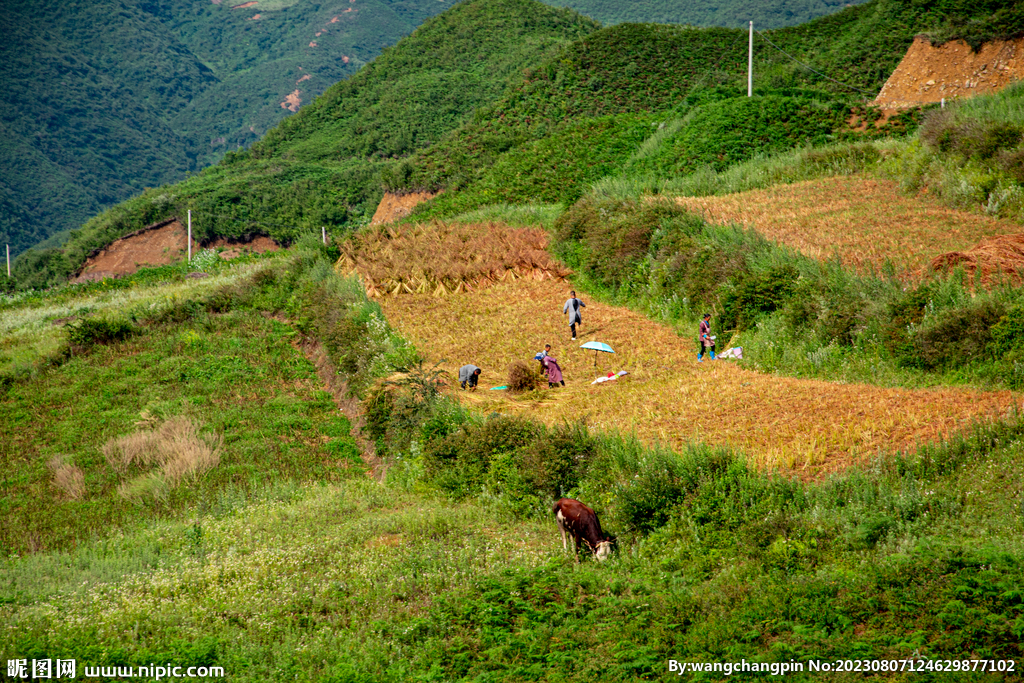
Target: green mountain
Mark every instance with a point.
(103, 99)
(728, 13)
(513, 101)
(106, 98)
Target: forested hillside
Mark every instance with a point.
(321, 167)
(729, 13)
(512, 101)
(105, 98)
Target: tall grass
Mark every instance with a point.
(971, 154)
(764, 170)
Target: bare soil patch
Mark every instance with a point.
(807, 426)
(160, 244)
(230, 248)
(862, 221)
(157, 245)
(928, 73)
(292, 101)
(394, 207)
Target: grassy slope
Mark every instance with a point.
(237, 373)
(354, 580)
(673, 71)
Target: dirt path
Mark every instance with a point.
(808, 425)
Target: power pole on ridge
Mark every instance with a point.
(750, 64)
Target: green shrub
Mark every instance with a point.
(459, 462)
(85, 333)
(956, 337)
(756, 295)
(559, 459)
(1008, 333)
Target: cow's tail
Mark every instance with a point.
(556, 507)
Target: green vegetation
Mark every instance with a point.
(283, 560)
(105, 99)
(693, 81)
(319, 167)
(153, 351)
(734, 14)
(175, 474)
(793, 314)
(971, 154)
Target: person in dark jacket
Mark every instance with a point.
(572, 307)
(469, 374)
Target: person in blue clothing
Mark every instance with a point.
(705, 340)
(572, 307)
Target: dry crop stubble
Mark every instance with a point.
(808, 425)
(865, 221)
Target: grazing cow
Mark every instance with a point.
(580, 521)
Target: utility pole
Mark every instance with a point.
(8, 261)
(190, 235)
(323, 233)
(750, 64)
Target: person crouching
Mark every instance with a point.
(469, 374)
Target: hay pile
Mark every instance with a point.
(999, 259)
(441, 258)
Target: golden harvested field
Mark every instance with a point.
(862, 220)
(811, 426)
(444, 258)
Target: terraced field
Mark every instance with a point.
(864, 221)
(807, 425)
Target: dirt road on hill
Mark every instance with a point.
(805, 425)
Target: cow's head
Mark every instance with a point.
(603, 550)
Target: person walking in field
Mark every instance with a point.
(572, 307)
(705, 340)
(469, 374)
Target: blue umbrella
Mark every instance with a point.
(597, 346)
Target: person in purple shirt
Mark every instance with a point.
(704, 340)
(553, 371)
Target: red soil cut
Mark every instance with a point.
(159, 244)
(928, 73)
(393, 207)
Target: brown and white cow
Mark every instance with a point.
(580, 521)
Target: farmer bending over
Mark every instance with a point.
(705, 340)
(553, 371)
(469, 374)
(572, 307)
